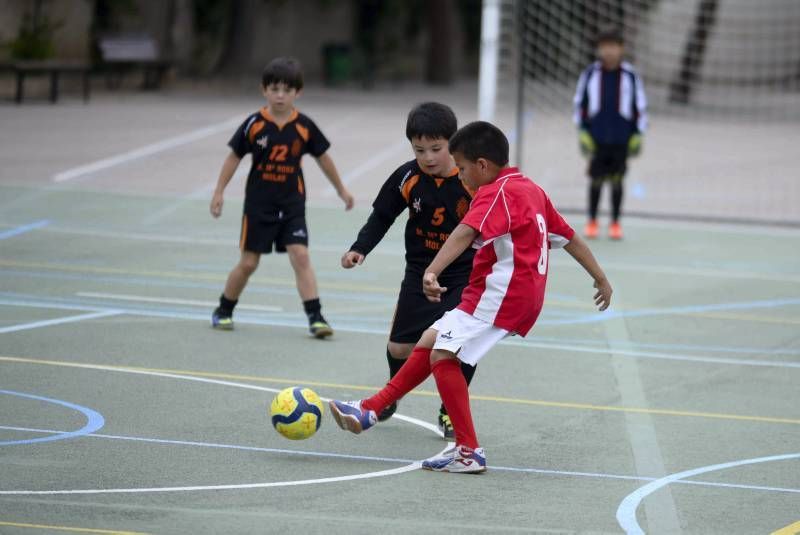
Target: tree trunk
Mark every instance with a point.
(442, 15)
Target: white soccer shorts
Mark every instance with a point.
(465, 335)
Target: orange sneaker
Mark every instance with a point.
(592, 230)
(615, 231)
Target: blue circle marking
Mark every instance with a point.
(94, 420)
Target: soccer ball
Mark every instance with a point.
(296, 413)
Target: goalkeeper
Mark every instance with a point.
(610, 112)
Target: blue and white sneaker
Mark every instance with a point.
(221, 321)
(459, 459)
(351, 417)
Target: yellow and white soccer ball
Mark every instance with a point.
(296, 413)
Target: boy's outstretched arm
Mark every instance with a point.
(460, 239)
(578, 249)
(225, 175)
(325, 163)
(369, 236)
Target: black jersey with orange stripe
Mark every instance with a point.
(435, 207)
(275, 183)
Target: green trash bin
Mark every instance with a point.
(337, 62)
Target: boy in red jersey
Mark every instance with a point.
(512, 224)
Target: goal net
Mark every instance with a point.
(722, 79)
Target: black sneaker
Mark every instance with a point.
(320, 329)
(388, 412)
(221, 321)
(446, 426)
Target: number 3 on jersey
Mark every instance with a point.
(543, 255)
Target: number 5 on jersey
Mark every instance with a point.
(438, 217)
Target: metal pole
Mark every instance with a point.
(490, 51)
(519, 30)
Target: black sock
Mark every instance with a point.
(226, 305)
(616, 199)
(313, 310)
(394, 364)
(595, 189)
(469, 373)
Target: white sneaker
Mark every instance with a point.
(460, 459)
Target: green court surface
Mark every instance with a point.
(121, 410)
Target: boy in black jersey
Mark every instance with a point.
(277, 136)
(436, 200)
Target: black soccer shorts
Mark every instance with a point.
(414, 313)
(609, 162)
(259, 233)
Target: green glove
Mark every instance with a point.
(586, 142)
(635, 145)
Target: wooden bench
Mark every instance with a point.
(120, 52)
(52, 68)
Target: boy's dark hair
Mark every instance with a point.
(481, 140)
(609, 35)
(431, 120)
(283, 71)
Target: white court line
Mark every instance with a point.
(358, 329)
(388, 250)
(369, 165)
(626, 512)
(147, 150)
(662, 515)
(212, 445)
(59, 321)
(169, 209)
(368, 475)
(174, 301)
(239, 176)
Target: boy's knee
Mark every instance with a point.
(427, 339)
(399, 351)
(248, 264)
(441, 354)
(299, 257)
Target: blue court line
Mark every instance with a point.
(717, 307)
(388, 299)
(372, 299)
(214, 287)
(597, 475)
(612, 314)
(743, 350)
(221, 446)
(94, 421)
(247, 318)
(16, 231)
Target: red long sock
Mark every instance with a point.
(455, 396)
(416, 369)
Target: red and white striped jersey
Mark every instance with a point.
(517, 224)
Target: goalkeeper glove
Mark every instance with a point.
(586, 142)
(635, 145)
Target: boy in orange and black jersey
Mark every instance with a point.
(277, 137)
(436, 200)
